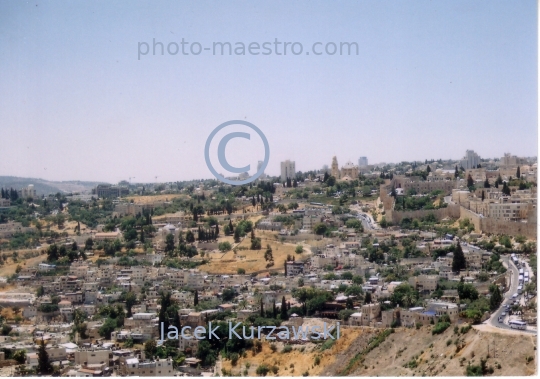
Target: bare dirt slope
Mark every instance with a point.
(406, 352)
(425, 354)
(302, 358)
(251, 260)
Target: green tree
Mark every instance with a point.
(19, 356)
(320, 228)
(367, 298)
(190, 238)
(496, 297)
(131, 300)
(458, 261)
(467, 291)
(52, 253)
(283, 310)
(224, 246)
(298, 249)
(150, 348)
(506, 189)
(169, 243)
(107, 328)
(470, 181)
(44, 364)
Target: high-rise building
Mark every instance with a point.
(288, 170)
(259, 164)
(362, 161)
(470, 160)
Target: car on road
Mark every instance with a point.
(503, 314)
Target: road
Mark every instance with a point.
(494, 319)
(367, 221)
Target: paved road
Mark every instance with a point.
(367, 221)
(494, 319)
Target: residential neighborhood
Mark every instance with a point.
(90, 281)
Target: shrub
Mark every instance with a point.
(273, 348)
(224, 246)
(287, 349)
(317, 360)
(440, 327)
(449, 342)
(262, 370)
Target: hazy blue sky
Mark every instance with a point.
(432, 79)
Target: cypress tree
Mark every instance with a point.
(274, 310)
(196, 298)
(165, 304)
(44, 364)
(262, 309)
(458, 261)
(496, 298)
(518, 173)
(284, 315)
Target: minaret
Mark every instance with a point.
(335, 168)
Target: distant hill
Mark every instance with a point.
(45, 187)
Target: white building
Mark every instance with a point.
(470, 160)
(288, 170)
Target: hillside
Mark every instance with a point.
(45, 187)
(406, 352)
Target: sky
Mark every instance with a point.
(431, 79)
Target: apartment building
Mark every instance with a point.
(137, 367)
(424, 283)
(294, 268)
(288, 170)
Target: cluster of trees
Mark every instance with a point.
(63, 255)
(312, 299)
(114, 318)
(410, 203)
(184, 249)
(9, 194)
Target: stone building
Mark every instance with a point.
(335, 168)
